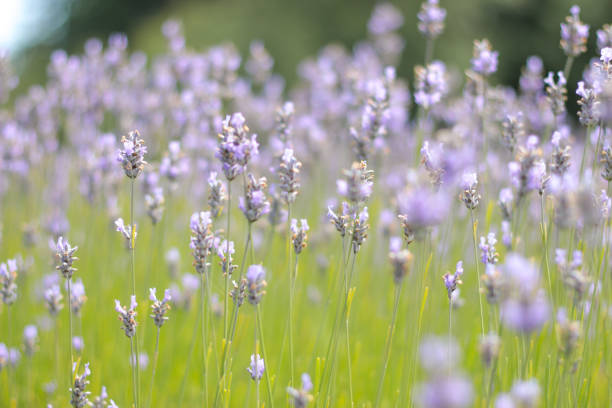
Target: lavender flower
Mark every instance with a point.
(484, 61)
(8, 279)
(357, 183)
(239, 292)
(512, 130)
(528, 171)
(288, 171)
(202, 239)
(77, 296)
(605, 203)
(159, 308)
(65, 256)
(225, 252)
(78, 343)
(100, 401)
(525, 308)
(154, 203)
(489, 348)
(131, 156)
(606, 160)
(236, 146)
(469, 195)
(506, 199)
(301, 397)
(572, 273)
(4, 356)
(340, 221)
(588, 102)
(256, 283)
(556, 92)
(216, 195)
(257, 367)
(174, 163)
(385, 19)
(560, 161)
(430, 84)
(360, 229)
(401, 259)
(53, 300)
(452, 280)
(80, 397)
(431, 19)
(284, 121)
(126, 231)
(127, 316)
(30, 338)
(604, 37)
(568, 331)
(254, 204)
(574, 34)
(299, 236)
(487, 249)
(443, 389)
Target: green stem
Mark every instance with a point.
(70, 326)
(204, 321)
(263, 351)
(133, 264)
(477, 270)
(398, 289)
(134, 358)
(227, 238)
(155, 357)
(290, 318)
(568, 67)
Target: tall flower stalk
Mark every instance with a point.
(131, 157)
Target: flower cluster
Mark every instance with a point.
(574, 34)
(401, 259)
(301, 397)
(216, 194)
(288, 171)
(202, 240)
(127, 316)
(254, 204)
(431, 19)
(299, 236)
(80, 397)
(159, 308)
(131, 155)
(236, 146)
(452, 280)
(8, 281)
(256, 283)
(65, 256)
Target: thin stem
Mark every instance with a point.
(450, 332)
(429, 49)
(545, 243)
(70, 327)
(398, 289)
(190, 352)
(204, 322)
(290, 321)
(133, 359)
(257, 363)
(133, 262)
(584, 149)
(477, 270)
(227, 238)
(348, 338)
(568, 67)
(263, 351)
(155, 357)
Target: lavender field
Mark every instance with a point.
(190, 229)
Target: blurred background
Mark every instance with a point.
(292, 29)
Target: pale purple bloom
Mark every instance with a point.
(299, 236)
(53, 300)
(385, 19)
(78, 343)
(30, 338)
(556, 92)
(574, 34)
(126, 231)
(257, 367)
(80, 397)
(127, 316)
(288, 171)
(430, 84)
(174, 164)
(254, 204)
(8, 279)
(526, 394)
(225, 251)
(159, 308)
(216, 195)
(452, 280)
(487, 249)
(256, 283)
(202, 240)
(154, 203)
(431, 19)
(131, 155)
(77, 296)
(360, 229)
(301, 397)
(485, 59)
(4, 356)
(65, 256)
(236, 146)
